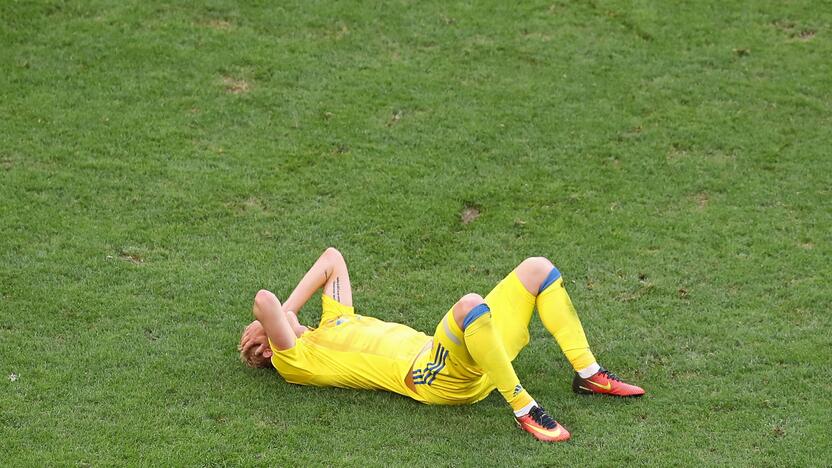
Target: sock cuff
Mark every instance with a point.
(521, 401)
(525, 410)
(580, 358)
(474, 314)
(589, 370)
(553, 276)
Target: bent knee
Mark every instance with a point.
(468, 302)
(537, 265)
(533, 271)
(464, 306)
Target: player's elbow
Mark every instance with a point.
(263, 301)
(333, 253)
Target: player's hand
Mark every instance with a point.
(250, 331)
(255, 336)
(293, 322)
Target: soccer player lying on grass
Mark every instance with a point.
(469, 355)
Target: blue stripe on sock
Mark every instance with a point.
(553, 276)
(475, 313)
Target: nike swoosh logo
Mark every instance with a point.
(546, 432)
(605, 387)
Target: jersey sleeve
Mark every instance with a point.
(332, 309)
(293, 363)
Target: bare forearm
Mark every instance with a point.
(313, 280)
(269, 312)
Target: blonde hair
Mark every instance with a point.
(252, 360)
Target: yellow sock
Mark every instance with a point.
(559, 317)
(485, 347)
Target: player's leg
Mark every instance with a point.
(512, 307)
(542, 280)
(473, 317)
(483, 342)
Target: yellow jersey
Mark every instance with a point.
(352, 351)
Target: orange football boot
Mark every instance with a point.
(605, 382)
(541, 426)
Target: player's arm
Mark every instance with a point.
(269, 312)
(279, 322)
(329, 272)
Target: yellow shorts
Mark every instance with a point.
(447, 374)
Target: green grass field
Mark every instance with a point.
(161, 162)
